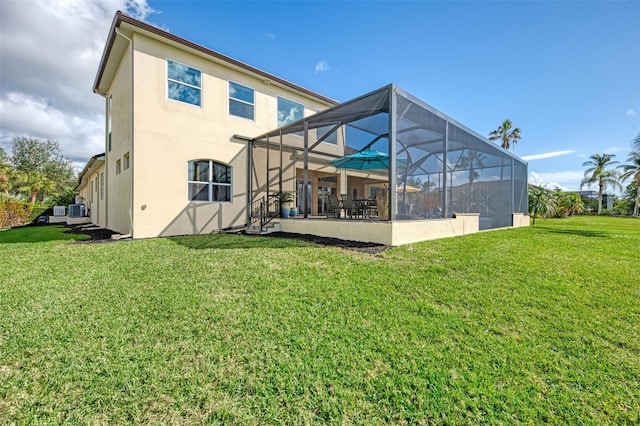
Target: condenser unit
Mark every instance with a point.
(76, 210)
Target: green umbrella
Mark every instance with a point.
(366, 160)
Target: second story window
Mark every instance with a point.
(241, 102)
(289, 111)
(183, 83)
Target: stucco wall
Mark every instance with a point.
(168, 134)
(383, 232)
(119, 185)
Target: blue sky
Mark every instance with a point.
(566, 72)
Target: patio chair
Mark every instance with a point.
(350, 207)
(333, 207)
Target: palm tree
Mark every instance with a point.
(597, 172)
(472, 161)
(632, 170)
(35, 184)
(540, 201)
(635, 144)
(506, 133)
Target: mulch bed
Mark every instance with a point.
(104, 235)
(370, 248)
(95, 235)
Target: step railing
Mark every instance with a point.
(264, 210)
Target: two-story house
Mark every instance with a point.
(197, 142)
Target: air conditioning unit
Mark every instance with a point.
(76, 210)
(59, 211)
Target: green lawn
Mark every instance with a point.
(532, 325)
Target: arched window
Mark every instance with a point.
(209, 181)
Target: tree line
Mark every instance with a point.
(605, 172)
(36, 172)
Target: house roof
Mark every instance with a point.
(92, 165)
(116, 46)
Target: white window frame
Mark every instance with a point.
(102, 186)
(230, 82)
(182, 83)
(210, 184)
(295, 102)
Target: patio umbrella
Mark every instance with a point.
(407, 188)
(366, 160)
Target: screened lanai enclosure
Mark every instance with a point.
(399, 156)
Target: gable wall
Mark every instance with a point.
(168, 134)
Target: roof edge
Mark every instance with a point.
(120, 18)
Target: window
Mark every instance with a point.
(209, 181)
(289, 111)
(183, 83)
(101, 186)
(110, 120)
(91, 194)
(240, 100)
(118, 167)
(125, 160)
(322, 131)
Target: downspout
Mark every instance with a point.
(131, 162)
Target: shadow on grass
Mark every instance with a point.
(237, 241)
(581, 232)
(38, 234)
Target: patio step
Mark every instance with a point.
(269, 228)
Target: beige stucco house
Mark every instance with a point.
(190, 148)
(172, 110)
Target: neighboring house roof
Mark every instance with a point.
(117, 45)
(92, 165)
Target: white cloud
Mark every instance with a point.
(547, 155)
(322, 66)
(270, 36)
(50, 55)
(567, 180)
(631, 112)
(535, 179)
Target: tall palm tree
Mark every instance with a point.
(508, 134)
(632, 171)
(472, 161)
(635, 143)
(598, 173)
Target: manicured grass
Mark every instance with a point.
(529, 325)
(38, 234)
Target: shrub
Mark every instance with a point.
(14, 213)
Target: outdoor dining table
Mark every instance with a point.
(368, 207)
